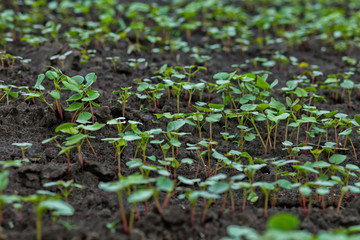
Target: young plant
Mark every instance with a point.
(151, 91)
(65, 187)
(61, 58)
(5, 92)
(56, 76)
(114, 61)
(83, 93)
(191, 88)
(120, 143)
(134, 63)
(212, 115)
(4, 198)
(124, 95)
(44, 201)
(125, 185)
(266, 188)
(78, 136)
(23, 147)
(144, 139)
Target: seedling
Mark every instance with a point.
(134, 63)
(65, 187)
(5, 199)
(197, 119)
(266, 188)
(212, 115)
(348, 85)
(151, 91)
(52, 75)
(223, 80)
(144, 139)
(83, 93)
(114, 61)
(124, 95)
(78, 136)
(124, 185)
(5, 92)
(120, 143)
(47, 201)
(61, 58)
(64, 150)
(191, 88)
(23, 147)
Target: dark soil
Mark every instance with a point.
(27, 122)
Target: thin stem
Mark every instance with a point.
(277, 124)
(352, 145)
(257, 131)
(132, 217)
(91, 148)
(92, 114)
(80, 156)
(122, 212)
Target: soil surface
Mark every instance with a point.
(94, 208)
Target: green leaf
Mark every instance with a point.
(276, 105)
(4, 179)
(14, 94)
(74, 106)
(219, 187)
(58, 207)
(221, 76)
(187, 161)
(141, 195)
(260, 82)
(175, 125)
(241, 232)
(347, 84)
(301, 92)
(357, 119)
(65, 126)
(52, 75)
(24, 144)
(75, 139)
(188, 181)
(94, 127)
(84, 117)
(214, 106)
(90, 79)
(72, 87)
(174, 163)
(214, 117)
(320, 164)
(217, 155)
(352, 167)
(305, 190)
(175, 142)
(323, 191)
(164, 184)
(346, 132)
(142, 86)
(283, 222)
(39, 80)
(91, 97)
(264, 185)
(111, 186)
(131, 137)
(78, 79)
(283, 183)
(337, 158)
(75, 97)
